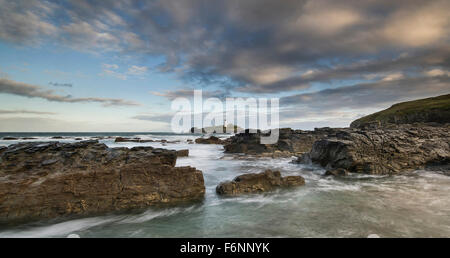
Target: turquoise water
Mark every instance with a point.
(413, 205)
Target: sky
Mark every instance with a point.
(110, 66)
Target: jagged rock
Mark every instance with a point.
(57, 137)
(47, 180)
(183, 153)
(290, 142)
(383, 151)
(336, 172)
(257, 183)
(210, 140)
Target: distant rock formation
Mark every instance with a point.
(47, 180)
(290, 143)
(210, 140)
(229, 129)
(258, 183)
(389, 150)
(436, 110)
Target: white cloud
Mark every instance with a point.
(137, 70)
(110, 66)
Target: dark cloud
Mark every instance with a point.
(189, 93)
(375, 94)
(57, 84)
(8, 112)
(32, 91)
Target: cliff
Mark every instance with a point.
(427, 110)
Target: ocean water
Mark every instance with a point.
(412, 205)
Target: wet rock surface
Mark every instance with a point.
(51, 179)
(336, 172)
(291, 142)
(258, 183)
(183, 153)
(389, 150)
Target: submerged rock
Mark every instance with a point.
(47, 180)
(336, 172)
(257, 183)
(388, 150)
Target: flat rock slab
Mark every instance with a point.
(48, 180)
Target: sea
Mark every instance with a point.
(415, 204)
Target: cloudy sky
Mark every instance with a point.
(80, 65)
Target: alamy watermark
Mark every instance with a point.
(213, 116)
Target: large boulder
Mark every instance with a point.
(47, 180)
(388, 150)
(257, 183)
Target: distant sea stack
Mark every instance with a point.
(429, 110)
(48, 180)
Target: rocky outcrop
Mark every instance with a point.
(257, 183)
(47, 180)
(210, 140)
(138, 140)
(388, 150)
(10, 139)
(290, 142)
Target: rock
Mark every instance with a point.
(47, 180)
(123, 139)
(210, 140)
(28, 138)
(57, 137)
(183, 153)
(290, 142)
(78, 139)
(387, 150)
(10, 138)
(336, 172)
(257, 183)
